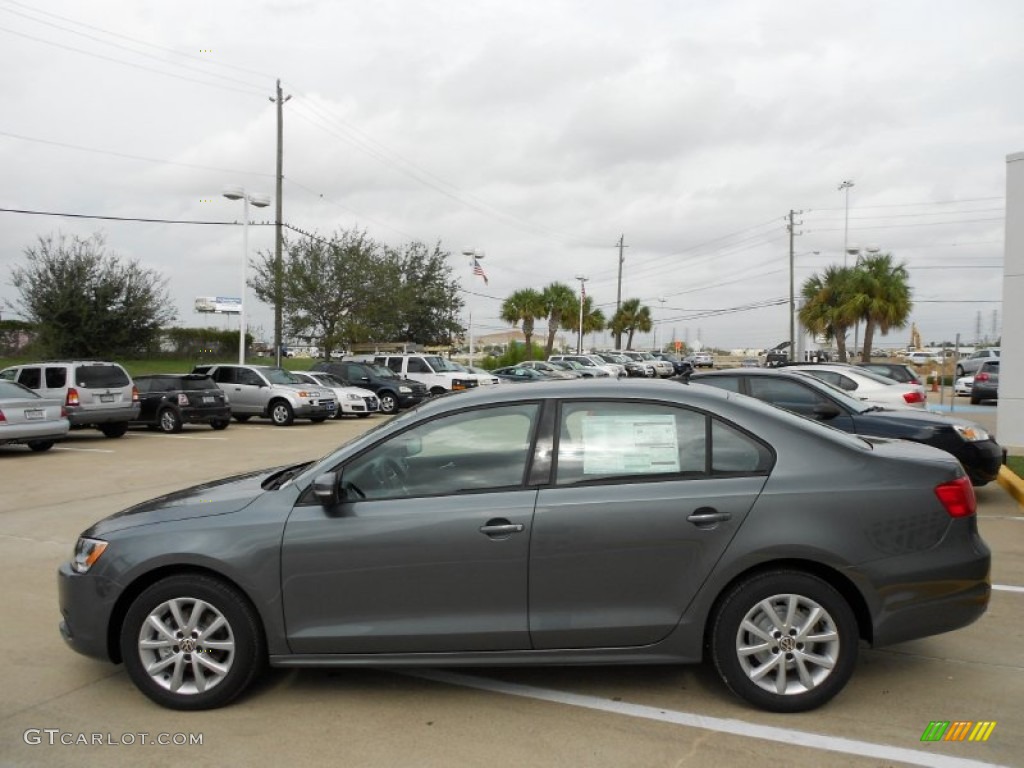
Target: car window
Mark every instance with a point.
(599, 441)
(56, 377)
(394, 364)
(791, 395)
(101, 376)
(9, 375)
(482, 449)
(143, 385)
(11, 389)
(278, 376)
(730, 383)
(247, 377)
(224, 375)
(30, 377)
(416, 366)
(733, 451)
(196, 382)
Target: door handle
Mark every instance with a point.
(708, 516)
(500, 528)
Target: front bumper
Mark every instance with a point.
(86, 604)
(307, 410)
(981, 460)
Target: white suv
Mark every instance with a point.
(973, 364)
(433, 371)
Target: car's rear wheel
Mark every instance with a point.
(975, 400)
(192, 642)
(114, 430)
(169, 421)
(362, 415)
(959, 371)
(318, 419)
(281, 413)
(388, 402)
(784, 641)
(220, 424)
(243, 417)
(40, 445)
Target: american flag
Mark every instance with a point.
(479, 271)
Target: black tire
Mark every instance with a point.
(959, 371)
(745, 604)
(362, 415)
(975, 400)
(220, 424)
(388, 402)
(435, 391)
(169, 421)
(114, 430)
(318, 419)
(40, 445)
(241, 418)
(239, 640)
(281, 413)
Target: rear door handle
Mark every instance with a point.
(708, 516)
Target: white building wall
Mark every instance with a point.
(1010, 414)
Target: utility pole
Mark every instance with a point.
(278, 234)
(792, 295)
(583, 297)
(846, 225)
(618, 292)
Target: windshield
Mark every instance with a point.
(281, 376)
(329, 380)
(844, 398)
(438, 363)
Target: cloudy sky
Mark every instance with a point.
(537, 132)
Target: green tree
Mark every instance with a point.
(593, 319)
(85, 302)
(630, 318)
(524, 306)
(881, 297)
(561, 305)
(828, 308)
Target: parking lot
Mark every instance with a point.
(625, 716)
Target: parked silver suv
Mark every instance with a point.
(95, 393)
(269, 392)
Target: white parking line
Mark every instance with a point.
(82, 450)
(1007, 588)
(176, 437)
(718, 724)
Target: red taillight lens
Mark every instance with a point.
(981, 377)
(135, 394)
(72, 398)
(2, 417)
(913, 397)
(957, 497)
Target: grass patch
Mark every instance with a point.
(1016, 465)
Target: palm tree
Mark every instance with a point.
(630, 318)
(881, 296)
(827, 308)
(593, 319)
(524, 306)
(560, 302)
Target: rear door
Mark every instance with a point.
(646, 498)
(100, 386)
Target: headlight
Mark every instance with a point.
(87, 552)
(405, 390)
(351, 396)
(971, 433)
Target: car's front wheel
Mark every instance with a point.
(114, 430)
(784, 641)
(220, 424)
(192, 642)
(40, 445)
(959, 371)
(388, 402)
(281, 413)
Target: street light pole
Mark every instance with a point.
(260, 201)
(583, 295)
(846, 225)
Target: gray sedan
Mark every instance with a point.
(27, 418)
(561, 523)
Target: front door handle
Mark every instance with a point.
(499, 528)
(708, 516)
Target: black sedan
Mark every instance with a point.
(561, 523)
(808, 396)
(169, 400)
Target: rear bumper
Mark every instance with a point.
(80, 417)
(205, 415)
(30, 432)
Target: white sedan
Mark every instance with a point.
(27, 418)
(352, 401)
(868, 385)
(963, 385)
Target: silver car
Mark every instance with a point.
(29, 419)
(560, 523)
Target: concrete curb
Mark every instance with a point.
(1013, 484)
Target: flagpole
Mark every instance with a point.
(478, 271)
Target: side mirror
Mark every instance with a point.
(325, 488)
(825, 411)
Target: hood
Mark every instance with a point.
(910, 422)
(219, 497)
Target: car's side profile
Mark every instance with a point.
(561, 523)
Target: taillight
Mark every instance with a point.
(72, 398)
(135, 394)
(957, 496)
(981, 377)
(913, 397)
(2, 417)
(182, 398)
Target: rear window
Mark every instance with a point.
(89, 376)
(196, 382)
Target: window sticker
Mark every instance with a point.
(625, 444)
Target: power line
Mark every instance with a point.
(919, 224)
(131, 218)
(913, 205)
